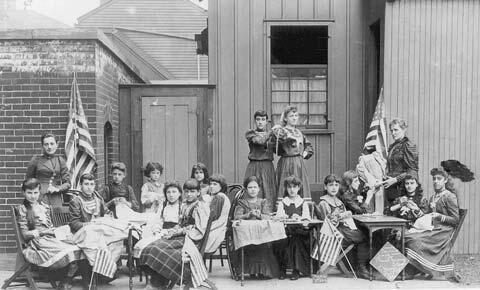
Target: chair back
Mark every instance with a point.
(203, 242)
(235, 192)
(462, 213)
(60, 216)
(21, 244)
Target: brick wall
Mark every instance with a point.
(35, 82)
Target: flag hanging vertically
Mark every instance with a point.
(104, 264)
(78, 142)
(377, 134)
(329, 243)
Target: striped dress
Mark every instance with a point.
(45, 251)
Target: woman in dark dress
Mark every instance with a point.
(259, 259)
(261, 157)
(429, 251)
(292, 147)
(402, 160)
(51, 170)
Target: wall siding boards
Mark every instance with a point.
(431, 71)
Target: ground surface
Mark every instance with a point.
(468, 267)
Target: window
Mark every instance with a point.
(299, 73)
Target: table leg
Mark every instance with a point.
(403, 250)
(243, 267)
(370, 252)
(311, 259)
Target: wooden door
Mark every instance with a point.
(170, 134)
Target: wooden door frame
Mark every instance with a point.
(130, 123)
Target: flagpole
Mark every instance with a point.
(74, 96)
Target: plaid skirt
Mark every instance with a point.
(165, 258)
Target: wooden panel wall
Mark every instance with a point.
(238, 68)
(432, 64)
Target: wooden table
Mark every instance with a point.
(308, 224)
(378, 222)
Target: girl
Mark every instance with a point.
(259, 260)
(163, 257)
(411, 205)
(200, 173)
(51, 170)
(152, 191)
(261, 156)
(292, 147)
(117, 191)
(294, 250)
(172, 206)
(219, 209)
(351, 197)
(331, 207)
(43, 249)
(429, 251)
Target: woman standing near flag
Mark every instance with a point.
(51, 170)
(402, 160)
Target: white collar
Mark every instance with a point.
(298, 200)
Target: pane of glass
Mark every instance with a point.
(318, 96)
(318, 108)
(298, 97)
(318, 120)
(278, 97)
(318, 84)
(280, 84)
(277, 108)
(298, 84)
(301, 107)
(302, 120)
(275, 119)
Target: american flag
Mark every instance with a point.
(377, 134)
(78, 142)
(329, 243)
(104, 263)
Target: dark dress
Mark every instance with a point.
(407, 213)
(79, 214)
(349, 199)
(47, 168)
(113, 190)
(294, 250)
(291, 146)
(333, 208)
(259, 259)
(261, 165)
(402, 160)
(429, 251)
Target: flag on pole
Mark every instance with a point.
(377, 134)
(329, 243)
(78, 142)
(104, 263)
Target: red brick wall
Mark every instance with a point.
(35, 82)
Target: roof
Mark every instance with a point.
(27, 19)
(131, 59)
(176, 17)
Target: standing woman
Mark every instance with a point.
(402, 160)
(261, 157)
(51, 170)
(292, 147)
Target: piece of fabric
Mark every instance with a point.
(256, 232)
(152, 196)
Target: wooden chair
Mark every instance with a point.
(234, 193)
(25, 272)
(60, 216)
(462, 214)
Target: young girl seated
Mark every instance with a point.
(152, 191)
(354, 201)
(259, 259)
(411, 205)
(43, 248)
(163, 257)
(172, 206)
(117, 191)
(294, 250)
(219, 209)
(331, 207)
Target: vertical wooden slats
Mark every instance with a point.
(431, 72)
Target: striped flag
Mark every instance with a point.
(377, 134)
(329, 243)
(78, 142)
(104, 263)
